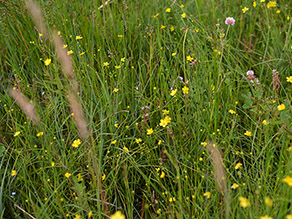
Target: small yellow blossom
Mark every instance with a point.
(77, 216)
(138, 140)
(265, 217)
(265, 122)
(76, 143)
(40, 34)
(254, 4)
(105, 64)
(171, 28)
(172, 199)
(160, 142)
(103, 177)
(181, 6)
(120, 36)
(65, 46)
(263, 0)
(149, 131)
(288, 19)
(123, 59)
(79, 37)
(162, 27)
(47, 61)
(204, 143)
(245, 9)
(207, 194)
(289, 216)
(82, 53)
(184, 15)
(173, 54)
(281, 107)
(278, 11)
(173, 92)
(247, 133)
(271, 4)
(40, 134)
(16, 134)
(118, 215)
(116, 90)
(269, 201)
(165, 112)
(234, 186)
(231, 111)
(13, 172)
(289, 79)
(164, 122)
(168, 10)
(67, 175)
(185, 90)
(89, 214)
(155, 16)
(288, 180)
(113, 142)
(162, 175)
(243, 202)
(69, 52)
(117, 67)
(238, 165)
(189, 58)
(126, 149)
(59, 33)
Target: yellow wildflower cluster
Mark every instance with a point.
(164, 122)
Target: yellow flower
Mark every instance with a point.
(289, 216)
(67, 175)
(181, 6)
(189, 58)
(117, 67)
(207, 194)
(265, 122)
(47, 61)
(173, 92)
(204, 143)
(40, 134)
(245, 9)
(118, 215)
(263, 0)
(116, 90)
(59, 33)
(76, 143)
(40, 34)
(265, 217)
(126, 149)
(168, 10)
(173, 54)
(185, 90)
(82, 53)
(103, 177)
(289, 79)
(184, 15)
(172, 199)
(244, 202)
(254, 4)
(234, 186)
(77, 216)
(278, 11)
(65, 46)
(120, 36)
(288, 19)
(162, 175)
(238, 165)
(269, 202)
(155, 16)
(89, 214)
(165, 112)
(288, 180)
(160, 142)
(247, 133)
(281, 107)
(164, 122)
(113, 142)
(16, 134)
(52, 163)
(271, 4)
(105, 64)
(70, 52)
(171, 28)
(79, 37)
(123, 59)
(231, 111)
(149, 131)
(13, 172)
(138, 140)
(162, 27)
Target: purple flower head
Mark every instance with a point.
(230, 20)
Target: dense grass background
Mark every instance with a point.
(110, 170)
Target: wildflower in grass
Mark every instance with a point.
(156, 16)
(245, 9)
(289, 216)
(184, 15)
(77, 216)
(185, 90)
(113, 142)
(69, 52)
(207, 194)
(254, 4)
(265, 122)
(90, 214)
(165, 112)
(238, 165)
(172, 199)
(47, 61)
(230, 21)
(67, 175)
(243, 202)
(173, 92)
(173, 54)
(269, 201)
(168, 10)
(278, 11)
(117, 67)
(162, 175)
(234, 186)
(79, 37)
(65, 46)
(288, 18)
(181, 6)
(118, 215)
(16, 134)
(288, 180)
(52, 163)
(138, 140)
(116, 125)
(103, 177)
(263, 0)
(189, 58)
(40, 34)
(82, 53)
(158, 211)
(126, 149)
(247, 133)
(281, 107)
(204, 143)
(116, 90)
(289, 79)
(171, 28)
(231, 111)
(40, 134)
(59, 33)
(265, 217)
(123, 59)
(76, 143)
(162, 27)
(160, 142)
(120, 36)
(150, 131)
(105, 64)
(13, 172)
(164, 122)
(271, 4)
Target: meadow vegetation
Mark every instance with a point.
(145, 109)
